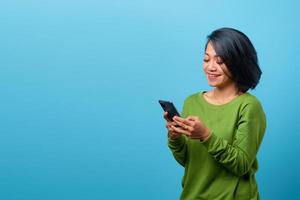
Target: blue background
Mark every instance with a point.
(80, 80)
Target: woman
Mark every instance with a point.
(218, 136)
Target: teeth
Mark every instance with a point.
(213, 75)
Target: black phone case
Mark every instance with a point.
(170, 108)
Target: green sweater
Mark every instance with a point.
(223, 166)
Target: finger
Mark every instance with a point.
(192, 118)
(173, 123)
(182, 120)
(180, 130)
(170, 124)
(166, 116)
(191, 123)
(169, 127)
(176, 118)
(182, 125)
(173, 134)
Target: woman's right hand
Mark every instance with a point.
(172, 134)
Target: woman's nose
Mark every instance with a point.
(211, 66)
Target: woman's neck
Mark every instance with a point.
(221, 96)
(225, 93)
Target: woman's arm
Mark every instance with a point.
(178, 144)
(239, 156)
(178, 147)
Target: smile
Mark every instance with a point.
(213, 75)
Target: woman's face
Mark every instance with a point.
(216, 71)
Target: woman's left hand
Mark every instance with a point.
(192, 127)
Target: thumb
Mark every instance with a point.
(191, 118)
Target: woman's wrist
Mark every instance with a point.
(205, 135)
(173, 136)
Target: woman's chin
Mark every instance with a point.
(212, 84)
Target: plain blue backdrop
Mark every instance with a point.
(80, 80)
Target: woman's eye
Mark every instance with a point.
(205, 60)
(219, 61)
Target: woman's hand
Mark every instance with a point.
(172, 134)
(192, 127)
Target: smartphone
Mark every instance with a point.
(170, 108)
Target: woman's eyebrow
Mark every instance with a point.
(216, 55)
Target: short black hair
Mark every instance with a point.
(237, 52)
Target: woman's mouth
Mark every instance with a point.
(213, 76)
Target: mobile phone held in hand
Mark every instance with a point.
(170, 108)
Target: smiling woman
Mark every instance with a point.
(217, 75)
(218, 136)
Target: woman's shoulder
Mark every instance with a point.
(250, 102)
(248, 98)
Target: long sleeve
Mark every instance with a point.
(239, 156)
(224, 165)
(178, 146)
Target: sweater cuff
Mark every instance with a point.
(176, 142)
(211, 141)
